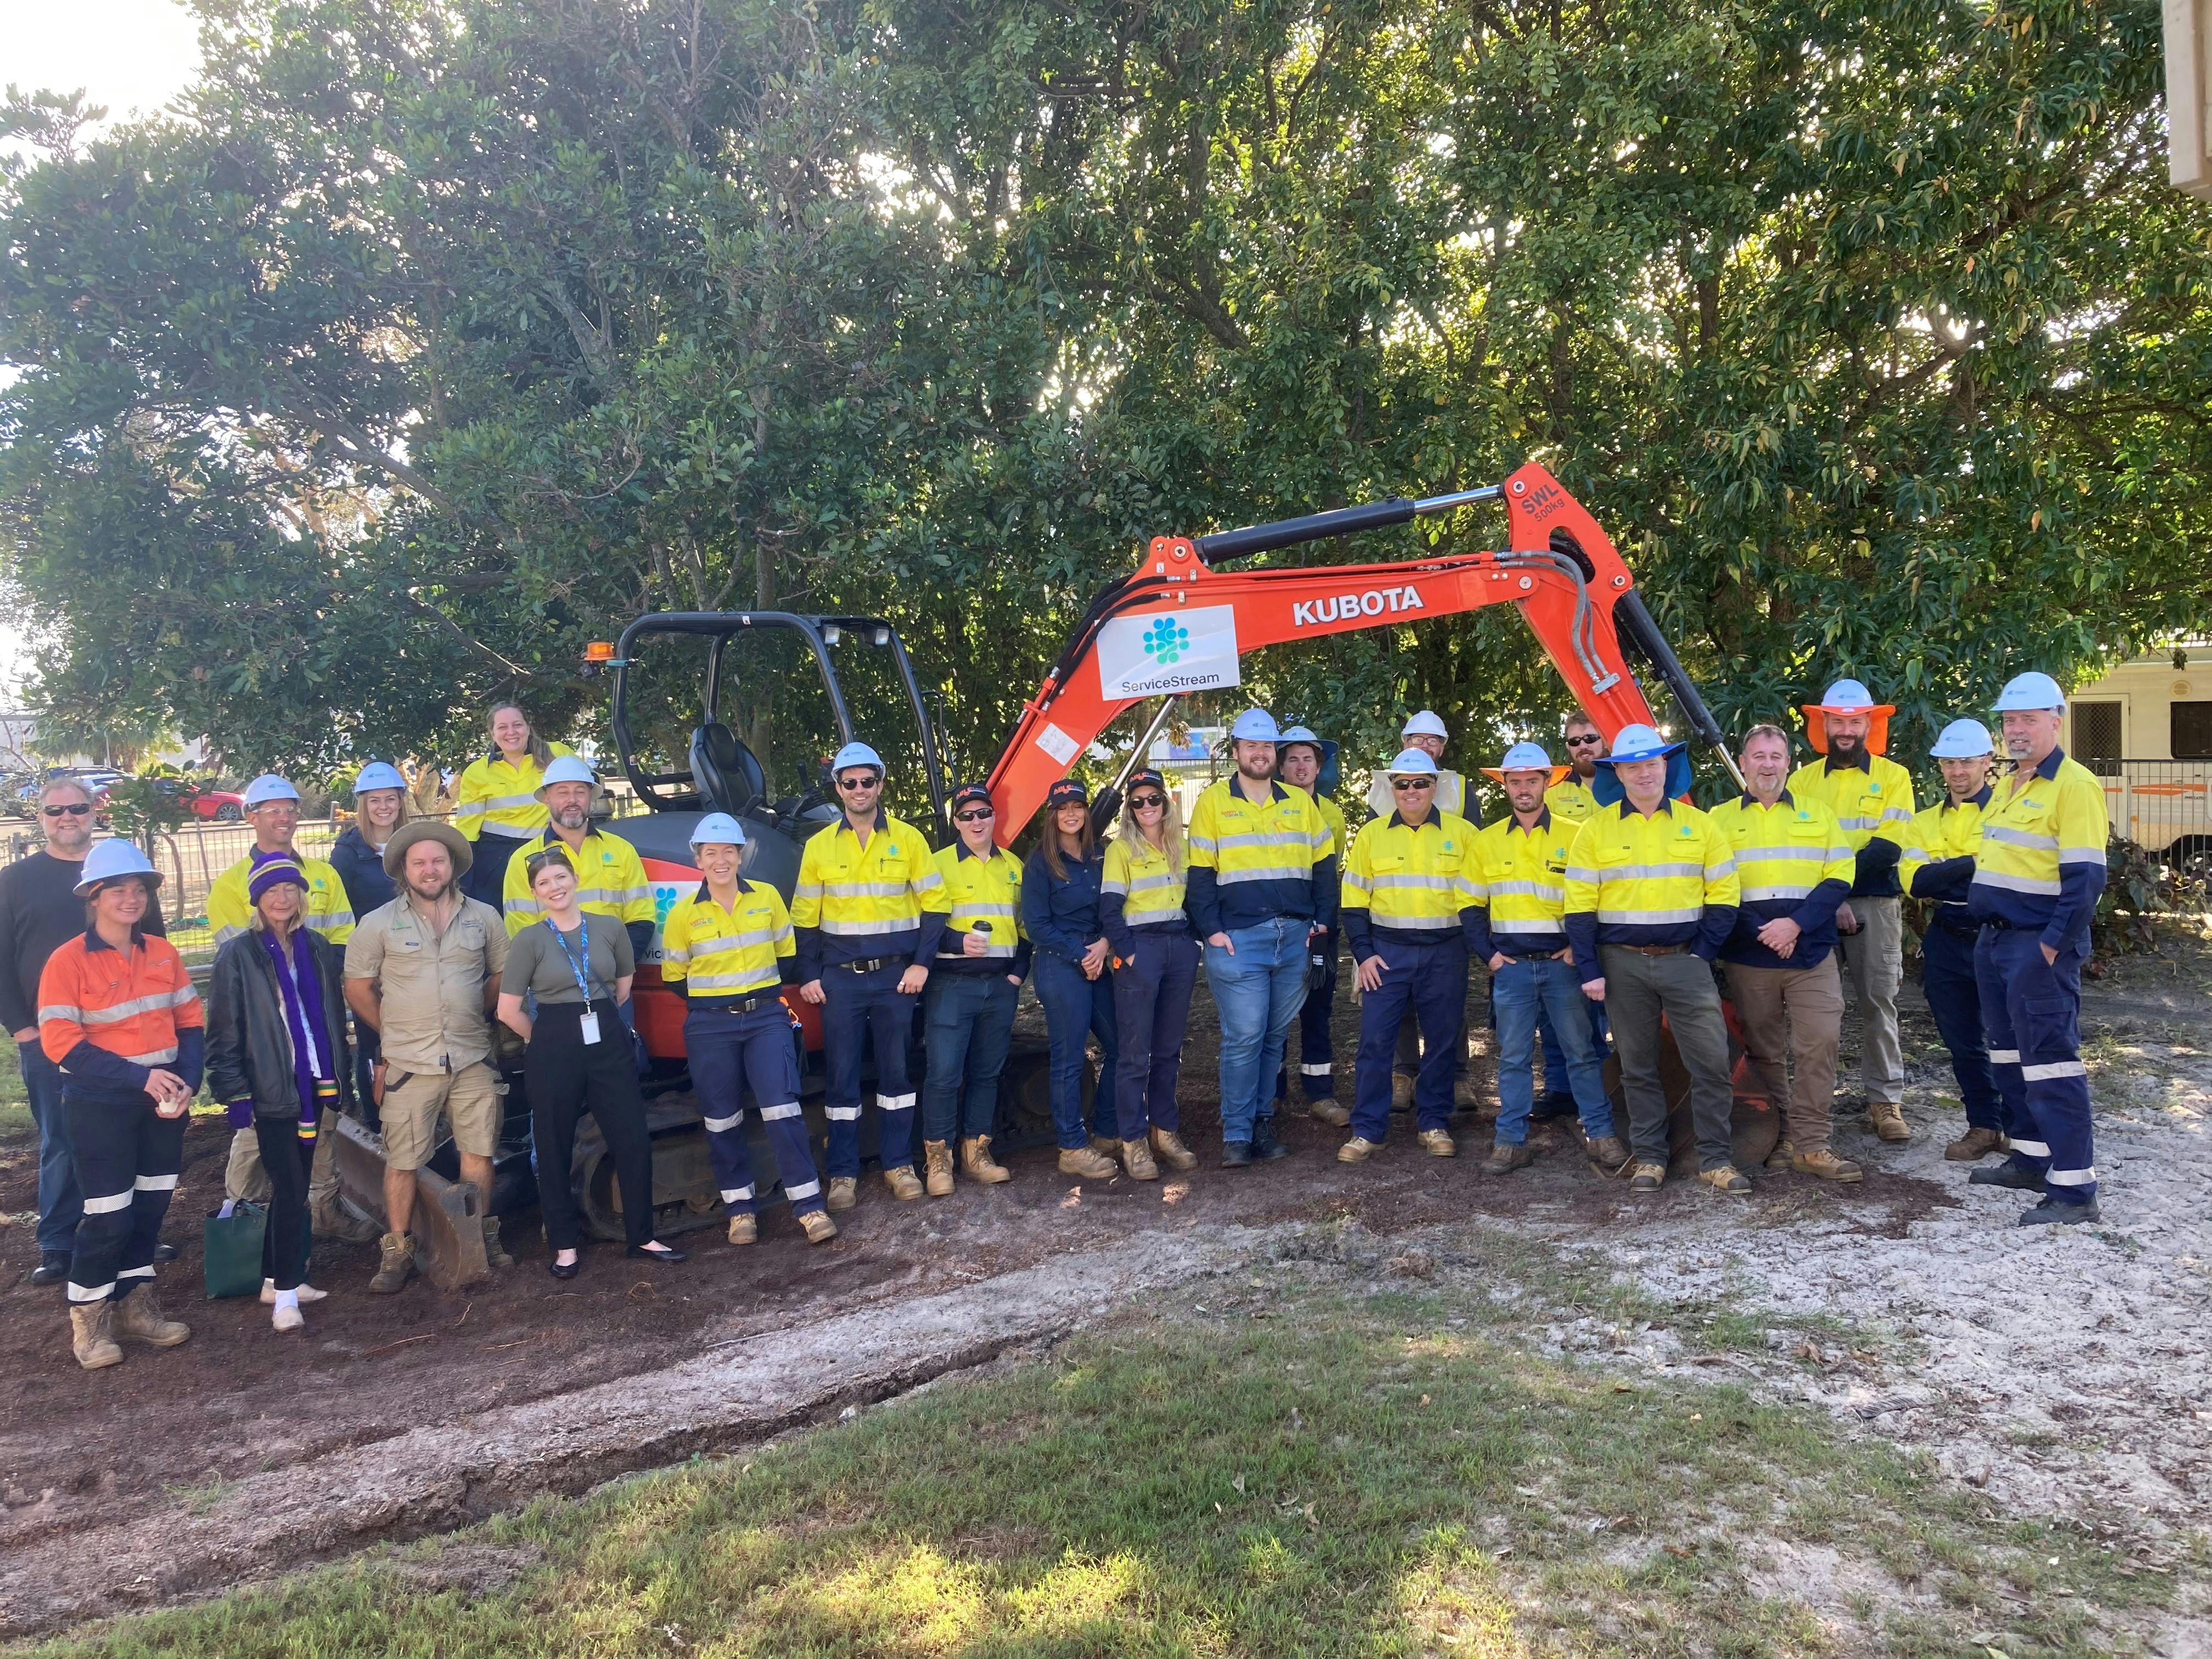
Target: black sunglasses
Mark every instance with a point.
(74, 809)
(1141, 801)
(1584, 741)
(859, 783)
(978, 816)
(1412, 783)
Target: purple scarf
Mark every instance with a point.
(299, 990)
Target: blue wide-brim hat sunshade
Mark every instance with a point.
(1635, 742)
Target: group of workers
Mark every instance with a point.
(1598, 903)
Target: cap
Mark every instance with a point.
(378, 775)
(856, 754)
(455, 843)
(1256, 726)
(2030, 690)
(1145, 775)
(1414, 763)
(272, 870)
(267, 788)
(1426, 723)
(1964, 740)
(111, 860)
(718, 830)
(566, 769)
(1069, 791)
(968, 794)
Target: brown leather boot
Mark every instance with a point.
(1168, 1148)
(138, 1317)
(1437, 1143)
(1358, 1150)
(977, 1163)
(1823, 1162)
(844, 1192)
(1504, 1159)
(1647, 1178)
(90, 1338)
(1137, 1160)
(1726, 1178)
(1089, 1164)
(937, 1164)
(496, 1254)
(818, 1226)
(1976, 1145)
(1105, 1146)
(1609, 1153)
(743, 1230)
(1328, 1112)
(1889, 1121)
(395, 1264)
(1784, 1150)
(902, 1182)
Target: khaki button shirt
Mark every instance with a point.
(433, 983)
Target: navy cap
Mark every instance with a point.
(1069, 791)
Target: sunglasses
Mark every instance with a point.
(74, 809)
(1141, 802)
(1412, 783)
(981, 815)
(860, 783)
(1584, 742)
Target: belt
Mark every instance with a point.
(1653, 949)
(863, 966)
(742, 1005)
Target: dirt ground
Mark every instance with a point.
(2053, 1371)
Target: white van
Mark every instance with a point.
(2146, 728)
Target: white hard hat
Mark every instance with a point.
(1298, 734)
(267, 788)
(2030, 690)
(1256, 726)
(856, 754)
(1848, 697)
(1526, 758)
(565, 768)
(1414, 763)
(1426, 724)
(1963, 740)
(113, 859)
(718, 829)
(378, 775)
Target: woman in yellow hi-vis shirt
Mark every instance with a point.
(497, 804)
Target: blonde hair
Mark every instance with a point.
(1127, 830)
(539, 753)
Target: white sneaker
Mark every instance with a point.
(307, 1293)
(288, 1319)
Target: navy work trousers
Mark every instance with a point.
(2032, 1011)
(1954, 997)
(1428, 982)
(728, 1051)
(967, 1030)
(860, 1010)
(127, 1159)
(1152, 1008)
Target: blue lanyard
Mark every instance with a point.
(583, 930)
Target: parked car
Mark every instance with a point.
(218, 805)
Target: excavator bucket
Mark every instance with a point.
(448, 1223)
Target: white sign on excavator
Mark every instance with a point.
(1165, 652)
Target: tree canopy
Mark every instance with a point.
(428, 339)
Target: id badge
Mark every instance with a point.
(589, 1026)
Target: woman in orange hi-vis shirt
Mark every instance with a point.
(118, 1014)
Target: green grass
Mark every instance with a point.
(1372, 1475)
(15, 1124)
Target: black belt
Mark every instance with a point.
(741, 1005)
(863, 966)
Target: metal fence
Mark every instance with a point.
(2159, 804)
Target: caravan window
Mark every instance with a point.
(2192, 731)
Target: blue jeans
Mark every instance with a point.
(1151, 1007)
(1525, 989)
(1073, 1008)
(1556, 1078)
(61, 1202)
(968, 1028)
(1258, 988)
(1428, 983)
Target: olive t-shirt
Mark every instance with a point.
(536, 963)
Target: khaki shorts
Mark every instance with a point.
(469, 1097)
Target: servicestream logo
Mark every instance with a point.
(1165, 641)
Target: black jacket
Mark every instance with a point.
(249, 1048)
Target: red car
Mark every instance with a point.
(219, 805)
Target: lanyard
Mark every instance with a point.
(583, 930)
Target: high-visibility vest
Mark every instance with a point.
(610, 880)
(2042, 859)
(329, 912)
(1648, 881)
(978, 894)
(1412, 880)
(132, 1003)
(864, 898)
(1875, 801)
(1937, 834)
(1279, 839)
(1570, 798)
(1785, 851)
(500, 796)
(1150, 890)
(1522, 875)
(1332, 815)
(1449, 796)
(719, 955)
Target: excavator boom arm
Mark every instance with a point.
(1560, 569)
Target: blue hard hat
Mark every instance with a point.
(1526, 758)
(1848, 697)
(856, 754)
(378, 775)
(1964, 740)
(565, 768)
(1256, 726)
(1414, 763)
(112, 860)
(267, 788)
(718, 829)
(2030, 690)
(1635, 742)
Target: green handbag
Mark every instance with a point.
(231, 1250)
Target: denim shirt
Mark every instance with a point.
(1061, 913)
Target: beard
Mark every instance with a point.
(1839, 744)
(572, 818)
(431, 890)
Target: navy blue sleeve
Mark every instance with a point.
(1876, 858)
(1118, 936)
(1475, 927)
(192, 1057)
(1324, 890)
(1819, 909)
(1201, 900)
(640, 939)
(1356, 923)
(1713, 930)
(1944, 878)
(1582, 935)
(933, 930)
(94, 1064)
(808, 956)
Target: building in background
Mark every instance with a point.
(2145, 727)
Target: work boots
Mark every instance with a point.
(1647, 1178)
(1137, 1160)
(1725, 1178)
(90, 1338)
(496, 1254)
(1824, 1163)
(977, 1163)
(1465, 1097)
(843, 1193)
(1437, 1143)
(937, 1163)
(1328, 1112)
(1607, 1154)
(902, 1182)
(1976, 1145)
(1088, 1164)
(138, 1317)
(395, 1265)
(743, 1229)
(1401, 1092)
(1266, 1146)
(1784, 1150)
(818, 1226)
(1358, 1150)
(1168, 1148)
(332, 1219)
(1504, 1159)
(1888, 1118)
(1106, 1146)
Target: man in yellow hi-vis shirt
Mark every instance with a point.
(610, 878)
(1304, 759)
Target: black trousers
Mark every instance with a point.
(127, 1158)
(566, 1078)
(286, 1158)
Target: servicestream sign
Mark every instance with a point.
(1169, 652)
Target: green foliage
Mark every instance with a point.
(2140, 887)
(440, 338)
(152, 800)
